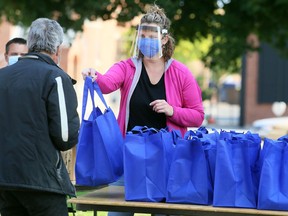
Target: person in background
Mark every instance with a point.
(156, 90)
(15, 48)
(39, 119)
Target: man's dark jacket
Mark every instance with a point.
(38, 119)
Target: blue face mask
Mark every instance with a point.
(149, 47)
(12, 59)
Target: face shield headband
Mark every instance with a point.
(148, 41)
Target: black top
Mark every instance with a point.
(141, 113)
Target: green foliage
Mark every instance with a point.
(186, 51)
(207, 94)
(227, 22)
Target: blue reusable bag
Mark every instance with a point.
(189, 180)
(146, 161)
(237, 170)
(99, 158)
(209, 143)
(273, 190)
(169, 139)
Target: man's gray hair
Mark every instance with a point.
(45, 35)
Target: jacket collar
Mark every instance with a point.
(43, 57)
(40, 56)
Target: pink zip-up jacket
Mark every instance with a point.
(182, 92)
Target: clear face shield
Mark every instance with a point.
(148, 42)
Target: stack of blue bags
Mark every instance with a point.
(218, 168)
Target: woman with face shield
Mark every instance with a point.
(156, 90)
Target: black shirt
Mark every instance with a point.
(141, 113)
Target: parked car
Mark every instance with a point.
(272, 128)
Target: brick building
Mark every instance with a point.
(256, 97)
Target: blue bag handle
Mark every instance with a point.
(143, 130)
(189, 135)
(88, 88)
(150, 131)
(176, 134)
(137, 129)
(99, 92)
(283, 138)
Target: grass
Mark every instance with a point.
(88, 213)
(81, 192)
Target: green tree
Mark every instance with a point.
(227, 22)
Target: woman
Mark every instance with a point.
(156, 90)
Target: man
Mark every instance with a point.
(39, 118)
(15, 48)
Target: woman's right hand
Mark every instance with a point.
(89, 72)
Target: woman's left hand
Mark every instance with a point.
(161, 106)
